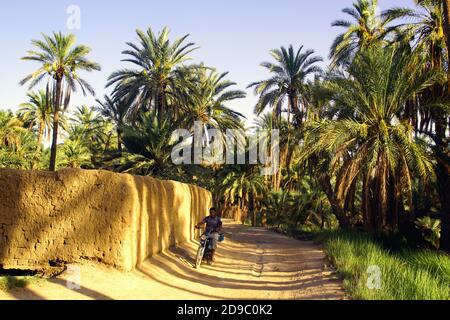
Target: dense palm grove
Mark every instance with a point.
(364, 142)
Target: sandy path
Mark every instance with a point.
(253, 263)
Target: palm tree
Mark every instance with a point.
(115, 111)
(60, 63)
(275, 205)
(446, 5)
(87, 120)
(446, 16)
(22, 154)
(10, 128)
(244, 184)
(427, 30)
(88, 126)
(367, 29)
(75, 154)
(288, 82)
(441, 141)
(424, 29)
(265, 125)
(157, 62)
(149, 146)
(37, 113)
(17, 144)
(205, 99)
(378, 148)
(307, 206)
(446, 8)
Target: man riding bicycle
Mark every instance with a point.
(213, 229)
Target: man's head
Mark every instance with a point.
(213, 212)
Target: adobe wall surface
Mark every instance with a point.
(117, 219)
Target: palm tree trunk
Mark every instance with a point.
(446, 6)
(160, 100)
(119, 140)
(322, 217)
(53, 150)
(349, 205)
(239, 209)
(443, 181)
(442, 154)
(336, 207)
(395, 197)
(289, 112)
(382, 193)
(57, 105)
(374, 203)
(264, 218)
(253, 209)
(39, 137)
(107, 144)
(367, 213)
(294, 107)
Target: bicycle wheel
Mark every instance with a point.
(199, 259)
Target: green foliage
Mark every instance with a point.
(277, 209)
(377, 148)
(60, 63)
(424, 28)
(60, 58)
(160, 69)
(240, 182)
(431, 230)
(9, 282)
(74, 154)
(405, 275)
(299, 210)
(368, 29)
(355, 143)
(287, 83)
(436, 263)
(149, 145)
(36, 114)
(18, 147)
(204, 98)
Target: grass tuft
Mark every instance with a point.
(405, 274)
(10, 282)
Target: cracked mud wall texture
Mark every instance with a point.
(117, 219)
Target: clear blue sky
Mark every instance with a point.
(233, 35)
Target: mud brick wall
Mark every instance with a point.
(117, 219)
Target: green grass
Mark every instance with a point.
(406, 274)
(10, 282)
(20, 279)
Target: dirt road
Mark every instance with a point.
(253, 263)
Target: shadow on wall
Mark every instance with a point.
(117, 219)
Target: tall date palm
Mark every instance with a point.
(157, 61)
(115, 111)
(206, 100)
(60, 61)
(378, 148)
(37, 113)
(428, 27)
(366, 29)
(288, 82)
